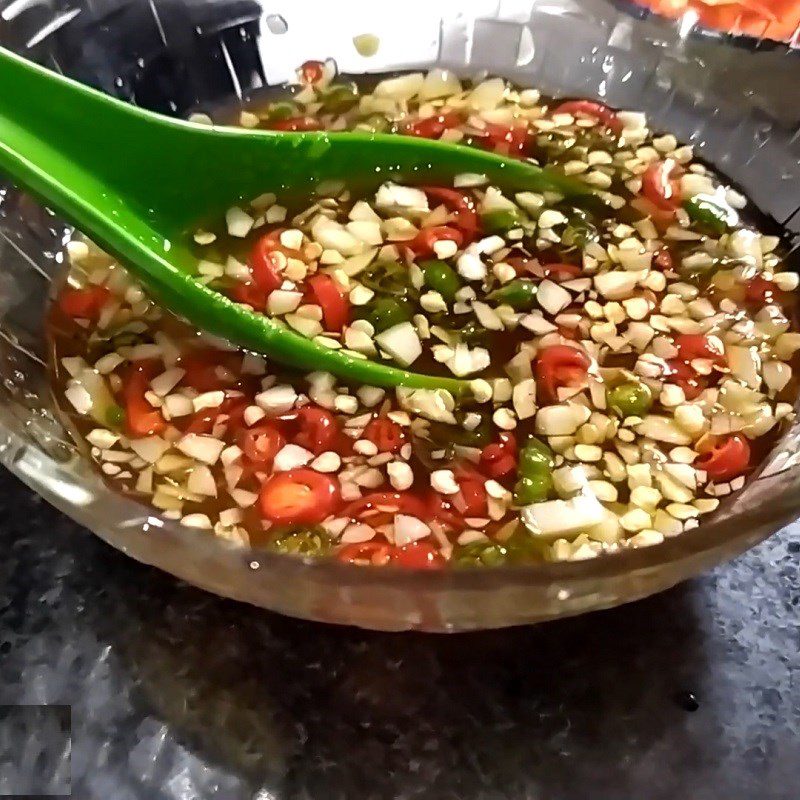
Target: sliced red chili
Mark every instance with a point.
(375, 554)
(385, 434)
(343, 445)
(208, 369)
(433, 127)
(265, 264)
(471, 499)
(560, 366)
(758, 289)
(333, 299)
(141, 419)
(508, 140)
(417, 555)
(694, 345)
(316, 429)
(761, 292)
(392, 502)
(467, 471)
(422, 244)
(311, 72)
(299, 496)
(659, 185)
(85, 303)
(682, 374)
(729, 458)
(443, 510)
(205, 420)
(249, 294)
(591, 108)
(461, 206)
(499, 458)
(295, 124)
(261, 444)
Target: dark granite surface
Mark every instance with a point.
(177, 694)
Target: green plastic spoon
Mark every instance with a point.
(137, 183)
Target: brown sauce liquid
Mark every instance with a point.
(67, 338)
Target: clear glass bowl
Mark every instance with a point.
(739, 106)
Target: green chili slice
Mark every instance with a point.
(708, 214)
(441, 278)
(535, 473)
(301, 542)
(501, 220)
(520, 294)
(631, 399)
(386, 312)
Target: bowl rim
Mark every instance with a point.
(709, 540)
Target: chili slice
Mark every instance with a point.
(311, 72)
(682, 374)
(560, 366)
(265, 266)
(261, 444)
(334, 301)
(561, 272)
(432, 127)
(460, 205)
(204, 421)
(385, 434)
(417, 555)
(508, 140)
(208, 369)
(317, 429)
(591, 108)
(660, 187)
(295, 124)
(471, 499)
(729, 458)
(695, 345)
(661, 218)
(141, 419)
(761, 292)
(299, 496)
(249, 294)
(376, 554)
(444, 511)
(663, 260)
(422, 244)
(85, 303)
(499, 458)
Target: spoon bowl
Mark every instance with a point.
(138, 183)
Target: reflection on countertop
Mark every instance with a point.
(178, 694)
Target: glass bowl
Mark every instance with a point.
(741, 110)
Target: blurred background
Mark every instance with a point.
(177, 55)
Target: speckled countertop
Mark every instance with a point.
(692, 695)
